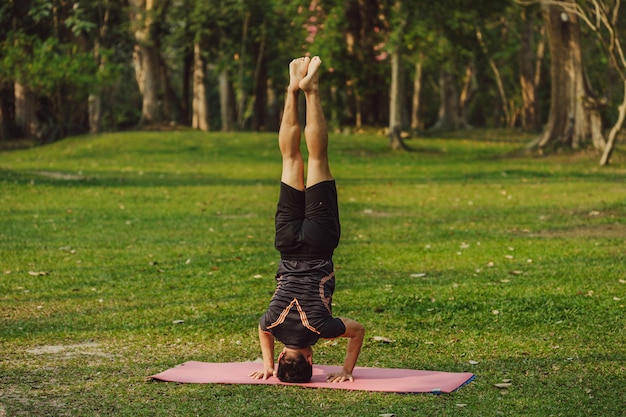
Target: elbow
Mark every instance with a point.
(359, 331)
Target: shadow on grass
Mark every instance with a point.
(108, 179)
(167, 179)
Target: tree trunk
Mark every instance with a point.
(148, 75)
(271, 114)
(187, 94)
(258, 104)
(25, 111)
(417, 88)
(470, 87)
(396, 99)
(226, 101)
(200, 108)
(610, 144)
(95, 113)
(448, 118)
(94, 102)
(570, 123)
(509, 113)
(7, 111)
(147, 60)
(531, 117)
(242, 96)
(358, 111)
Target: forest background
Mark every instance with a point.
(553, 67)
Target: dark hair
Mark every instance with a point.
(294, 369)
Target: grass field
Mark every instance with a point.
(123, 255)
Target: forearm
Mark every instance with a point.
(356, 333)
(352, 352)
(267, 348)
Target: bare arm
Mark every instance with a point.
(355, 332)
(267, 348)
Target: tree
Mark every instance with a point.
(531, 58)
(148, 17)
(456, 50)
(574, 118)
(349, 36)
(602, 17)
(52, 69)
(399, 15)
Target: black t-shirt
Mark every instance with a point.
(300, 311)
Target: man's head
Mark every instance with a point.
(295, 365)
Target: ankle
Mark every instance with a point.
(312, 91)
(293, 88)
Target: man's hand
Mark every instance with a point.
(340, 376)
(266, 373)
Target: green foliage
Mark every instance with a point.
(49, 66)
(459, 252)
(40, 10)
(78, 21)
(354, 38)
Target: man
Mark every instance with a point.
(307, 233)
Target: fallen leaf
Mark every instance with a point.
(495, 312)
(383, 339)
(418, 275)
(461, 405)
(503, 385)
(38, 273)
(178, 321)
(471, 362)
(387, 415)
(516, 272)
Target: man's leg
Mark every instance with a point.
(289, 132)
(315, 131)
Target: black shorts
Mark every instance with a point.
(307, 222)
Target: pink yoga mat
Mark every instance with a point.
(365, 379)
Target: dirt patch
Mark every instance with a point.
(89, 349)
(60, 176)
(599, 231)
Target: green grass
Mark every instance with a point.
(108, 242)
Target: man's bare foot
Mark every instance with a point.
(297, 71)
(310, 82)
